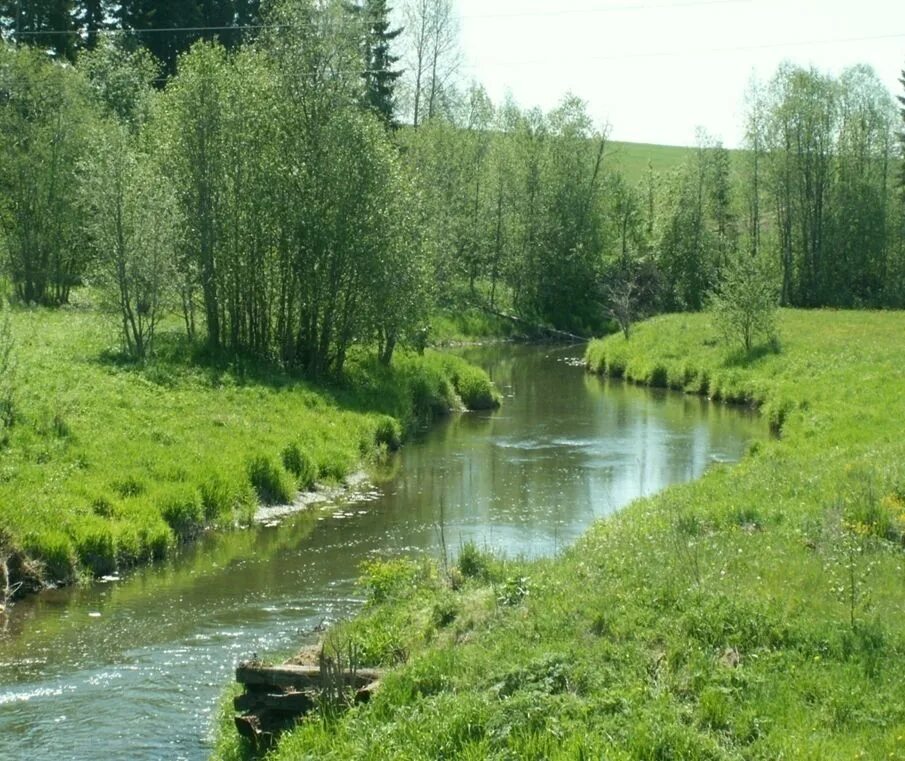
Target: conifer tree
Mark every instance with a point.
(46, 24)
(379, 77)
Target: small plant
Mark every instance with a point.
(227, 500)
(513, 591)
(181, 508)
(338, 665)
(472, 563)
(7, 372)
(387, 579)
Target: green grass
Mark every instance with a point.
(633, 159)
(758, 613)
(111, 464)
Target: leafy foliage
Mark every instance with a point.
(746, 303)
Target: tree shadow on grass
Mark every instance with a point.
(741, 358)
(366, 386)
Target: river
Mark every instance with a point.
(133, 669)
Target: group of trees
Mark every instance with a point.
(827, 182)
(166, 29)
(259, 193)
(267, 191)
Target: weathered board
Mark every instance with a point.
(298, 677)
(277, 696)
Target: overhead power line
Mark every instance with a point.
(629, 7)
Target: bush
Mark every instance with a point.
(301, 464)
(271, 483)
(180, 507)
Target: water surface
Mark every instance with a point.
(134, 669)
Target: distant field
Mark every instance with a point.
(632, 159)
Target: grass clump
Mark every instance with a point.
(182, 509)
(300, 464)
(270, 481)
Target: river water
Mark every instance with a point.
(134, 669)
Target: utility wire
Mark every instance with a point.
(503, 15)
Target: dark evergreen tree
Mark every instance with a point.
(379, 76)
(46, 24)
(152, 20)
(93, 17)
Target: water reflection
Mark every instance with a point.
(135, 667)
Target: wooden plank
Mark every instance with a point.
(298, 677)
(294, 703)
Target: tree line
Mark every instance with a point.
(330, 180)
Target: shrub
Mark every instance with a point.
(271, 483)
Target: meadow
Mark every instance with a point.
(758, 613)
(635, 160)
(111, 463)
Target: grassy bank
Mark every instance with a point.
(110, 464)
(758, 613)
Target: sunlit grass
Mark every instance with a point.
(112, 464)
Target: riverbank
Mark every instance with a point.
(110, 464)
(755, 613)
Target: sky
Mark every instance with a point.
(655, 70)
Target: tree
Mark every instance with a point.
(7, 372)
(121, 79)
(190, 21)
(746, 301)
(93, 17)
(379, 76)
(44, 24)
(432, 40)
(133, 221)
(44, 121)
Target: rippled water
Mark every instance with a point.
(133, 669)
